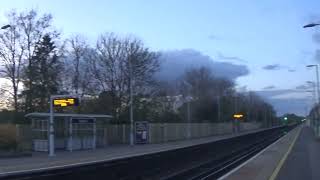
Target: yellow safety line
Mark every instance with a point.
(277, 170)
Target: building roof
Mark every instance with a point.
(37, 114)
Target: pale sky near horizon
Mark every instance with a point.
(260, 32)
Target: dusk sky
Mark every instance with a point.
(266, 36)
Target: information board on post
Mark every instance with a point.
(65, 102)
(58, 101)
(141, 132)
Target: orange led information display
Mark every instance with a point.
(65, 102)
(238, 116)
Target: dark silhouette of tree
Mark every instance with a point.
(45, 70)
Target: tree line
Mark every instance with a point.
(38, 62)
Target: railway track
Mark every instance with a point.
(215, 168)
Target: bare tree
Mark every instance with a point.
(144, 64)
(32, 29)
(78, 62)
(11, 56)
(201, 83)
(115, 58)
(5, 98)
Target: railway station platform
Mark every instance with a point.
(40, 160)
(303, 160)
(295, 157)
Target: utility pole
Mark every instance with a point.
(249, 108)
(131, 103)
(317, 77)
(189, 98)
(189, 118)
(318, 88)
(265, 117)
(313, 91)
(219, 108)
(317, 72)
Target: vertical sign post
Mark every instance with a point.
(51, 129)
(237, 118)
(59, 101)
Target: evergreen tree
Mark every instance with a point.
(45, 74)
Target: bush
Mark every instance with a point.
(12, 117)
(8, 139)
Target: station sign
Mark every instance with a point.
(141, 132)
(65, 102)
(82, 120)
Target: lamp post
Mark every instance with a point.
(313, 91)
(313, 65)
(51, 128)
(6, 26)
(317, 120)
(189, 99)
(219, 108)
(311, 25)
(317, 77)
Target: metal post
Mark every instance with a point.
(94, 143)
(235, 112)
(219, 109)
(70, 136)
(131, 104)
(318, 98)
(271, 118)
(249, 112)
(189, 119)
(265, 117)
(314, 93)
(318, 89)
(189, 98)
(51, 129)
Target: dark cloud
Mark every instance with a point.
(305, 87)
(174, 64)
(230, 58)
(272, 67)
(269, 94)
(213, 37)
(269, 87)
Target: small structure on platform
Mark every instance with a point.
(71, 131)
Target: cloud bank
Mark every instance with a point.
(174, 63)
(272, 67)
(269, 87)
(287, 100)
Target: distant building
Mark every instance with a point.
(173, 102)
